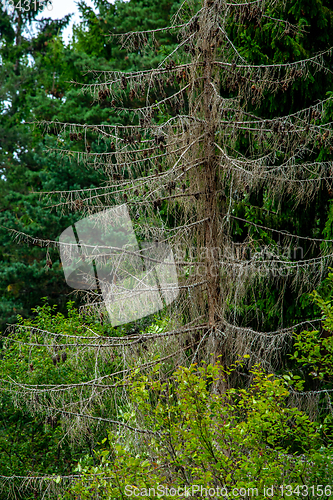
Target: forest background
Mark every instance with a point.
(35, 80)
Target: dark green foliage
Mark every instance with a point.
(266, 41)
(41, 91)
(37, 443)
(32, 443)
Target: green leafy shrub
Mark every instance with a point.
(198, 436)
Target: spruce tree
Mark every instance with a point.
(198, 149)
(200, 163)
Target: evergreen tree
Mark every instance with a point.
(204, 159)
(218, 165)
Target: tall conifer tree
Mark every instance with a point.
(204, 163)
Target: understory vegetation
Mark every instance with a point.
(196, 361)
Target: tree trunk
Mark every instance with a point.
(209, 181)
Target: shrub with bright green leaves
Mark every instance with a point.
(313, 356)
(314, 349)
(198, 435)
